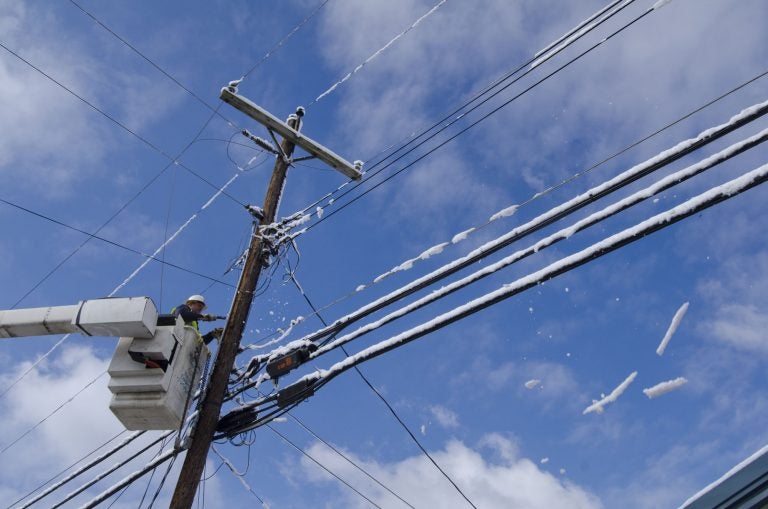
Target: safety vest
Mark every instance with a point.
(192, 323)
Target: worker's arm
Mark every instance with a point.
(188, 315)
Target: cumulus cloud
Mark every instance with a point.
(511, 481)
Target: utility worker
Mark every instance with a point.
(190, 312)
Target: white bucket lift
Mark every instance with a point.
(155, 368)
(152, 380)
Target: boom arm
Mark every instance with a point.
(113, 317)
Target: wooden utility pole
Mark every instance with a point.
(194, 462)
(258, 253)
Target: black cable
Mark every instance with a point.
(475, 123)
(30, 493)
(120, 124)
(114, 215)
(284, 39)
(152, 475)
(152, 63)
(110, 242)
(305, 453)
(162, 482)
(383, 399)
(349, 460)
(477, 96)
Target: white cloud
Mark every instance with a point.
(511, 482)
(742, 326)
(446, 417)
(47, 132)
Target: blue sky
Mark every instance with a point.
(460, 390)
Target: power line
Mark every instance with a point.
(305, 453)
(551, 216)
(349, 460)
(475, 123)
(555, 186)
(118, 123)
(597, 250)
(30, 430)
(40, 496)
(386, 403)
(478, 96)
(150, 61)
(284, 39)
(110, 242)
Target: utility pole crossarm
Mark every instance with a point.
(265, 118)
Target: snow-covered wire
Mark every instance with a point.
(565, 233)
(444, 123)
(126, 481)
(378, 52)
(75, 474)
(110, 470)
(623, 179)
(238, 475)
(597, 250)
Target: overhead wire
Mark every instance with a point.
(479, 95)
(658, 222)
(111, 470)
(305, 453)
(551, 216)
(387, 404)
(71, 466)
(150, 61)
(349, 460)
(377, 52)
(476, 122)
(118, 123)
(92, 235)
(53, 412)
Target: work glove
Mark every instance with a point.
(214, 334)
(208, 318)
